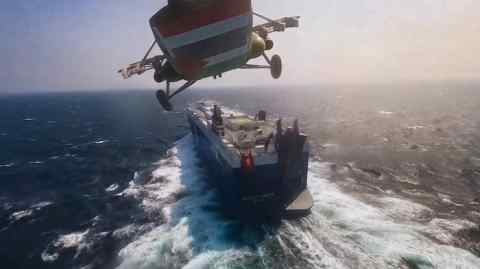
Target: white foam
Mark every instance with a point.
(112, 188)
(444, 230)
(71, 240)
(406, 179)
(415, 127)
(49, 257)
(329, 145)
(383, 112)
(342, 232)
(354, 234)
(16, 216)
(7, 165)
(475, 214)
(75, 241)
(126, 231)
(404, 210)
(165, 181)
(448, 200)
(192, 237)
(97, 142)
(40, 205)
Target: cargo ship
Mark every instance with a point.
(259, 168)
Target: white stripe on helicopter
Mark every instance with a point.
(229, 55)
(208, 31)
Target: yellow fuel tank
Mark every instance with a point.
(257, 46)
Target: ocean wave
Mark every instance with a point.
(126, 231)
(71, 240)
(415, 127)
(96, 142)
(192, 235)
(41, 205)
(49, 257)
(112, 188)
(345, 232)
(386, 113)
(342, 231)
(21, 214)
(7, 165)
(76, 240)
(448, 200)
(18, 215)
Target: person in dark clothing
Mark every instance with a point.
(296, 130)
(267, 142)
(278, 135)
(217, 119)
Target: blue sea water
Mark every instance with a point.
(62, 158)
(109, 180)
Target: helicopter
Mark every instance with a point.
(206, 38)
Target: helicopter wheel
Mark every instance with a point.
(276, 66)
(163, 100)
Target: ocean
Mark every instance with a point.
(109, 180)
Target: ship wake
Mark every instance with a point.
(343, 231)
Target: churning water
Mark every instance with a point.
(107, 180)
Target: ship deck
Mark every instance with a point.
(262, 129)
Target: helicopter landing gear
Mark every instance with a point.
(163, 97)
(274, 64)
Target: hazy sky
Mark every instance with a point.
(61, 45)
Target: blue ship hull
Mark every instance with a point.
(258, 194)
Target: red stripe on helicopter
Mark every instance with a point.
(190, 67)
(218, 11)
